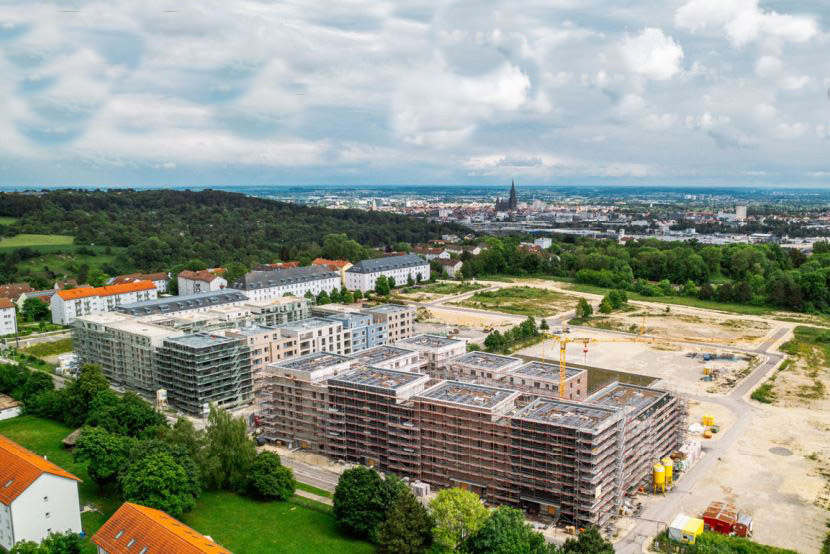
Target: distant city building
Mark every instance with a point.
(297, 281)
(740, 213)
(364, 274)
(136, 529)
(543, 242)
(69, 304)
(8, 317)
(37, 497)
(206, 280)
(511, 203)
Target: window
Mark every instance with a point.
(46, 499)
(47, 514)
(132, 542)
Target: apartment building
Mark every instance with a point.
(266, 344)
(158, 279)
(37, 497)
(388, 357)
(315, 334)
(205, 280)
(364, 332)
(364, 274)
(8, 317)
(398, 319)
(205, 368)
(436, 351)
(185, 303)
(371, 422)
(124, 347)
(134, 528)
(481, 367)
(296, 281)
(292, 399)
(543, 379)
(340, 266)
(69, 304)
(276, 311)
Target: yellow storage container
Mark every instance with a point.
(659, 478)
(708, 420)
(668, 469)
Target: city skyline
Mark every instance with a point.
(688, 92)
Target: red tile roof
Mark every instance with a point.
(133, 527)
(14, 290)
(133, 277)
(333, 264)
(6, 302)
(19, 468)
(203, 275)
(109, 290)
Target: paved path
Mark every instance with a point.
(312, 475)
(669, 506)
(315, 497)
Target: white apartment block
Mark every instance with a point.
(206, 280)
(36, 497)
(8, 317)
(436, 350)
(388, 357)
(363, 275)
(295, 281)
(67, 305)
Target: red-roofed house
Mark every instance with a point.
(158, 279)
(137, 529)
(14, 290)
(340, 266)
(70, 303)
(451, 267)
(36, 496)
(206, 280)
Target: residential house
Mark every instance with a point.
(451, 267)
(137, 529)
(297, 281)
(191, 282)
(430, 254)
(14, 290)
(282, 265)
(71, 303)
(340, 266)
(36, 496)
(44, 296)
(8, 317)
(158, 279)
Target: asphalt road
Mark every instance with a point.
(658, 515)
(312, 475)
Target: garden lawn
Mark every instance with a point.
(244, 525)
(19, 241)
(448, 288)
(5, 220)
(528, 301)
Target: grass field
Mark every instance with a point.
(313, 490)
(44, 349)
(5, 220)
(811, 346)
(239, 523)
(19, 241)
(60, 259)
(448, 288)
(520, 300)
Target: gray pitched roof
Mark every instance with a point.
(387, 263)
(279, 277)
(173, 304)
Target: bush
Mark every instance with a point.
(269, 479)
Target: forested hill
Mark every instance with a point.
(161, 228)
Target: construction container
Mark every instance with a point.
(659, 478)
(707, 434)
(668, 469)
(743, 527)
(721, 517)
(686, 529)
(708, 420)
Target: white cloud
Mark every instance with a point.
(744, 21)
(652, 54)
(795, 82)
(767, 66)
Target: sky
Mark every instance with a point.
(236, 92)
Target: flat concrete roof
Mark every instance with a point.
(624, 395)
(388, 308)
(485, 360)
(306, 324)
(201, 340)
(565, 413)
(468, 394)
(430, 341)
(377, 354)
(252, 330)
(545, 370)
(314, 361)
(381, 378)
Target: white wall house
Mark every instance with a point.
(543, 242)
(191, 282)
(451, 267)
(8, 317)
(295, 281)
(72, 303)
(363, 275)
(36, 497)
(158, 279)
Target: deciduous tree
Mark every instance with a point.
(229, 451)
(506, 532)
(269, 479)
(407, 528)
(458, 515)
(105, 453)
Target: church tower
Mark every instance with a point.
(512, 202)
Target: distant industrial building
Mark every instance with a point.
(363, 275)
(296, 281)
(69, 304)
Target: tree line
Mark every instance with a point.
(753, 274)
(384, 511)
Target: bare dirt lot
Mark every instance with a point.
(672, 364)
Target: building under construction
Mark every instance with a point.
(570, 461)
